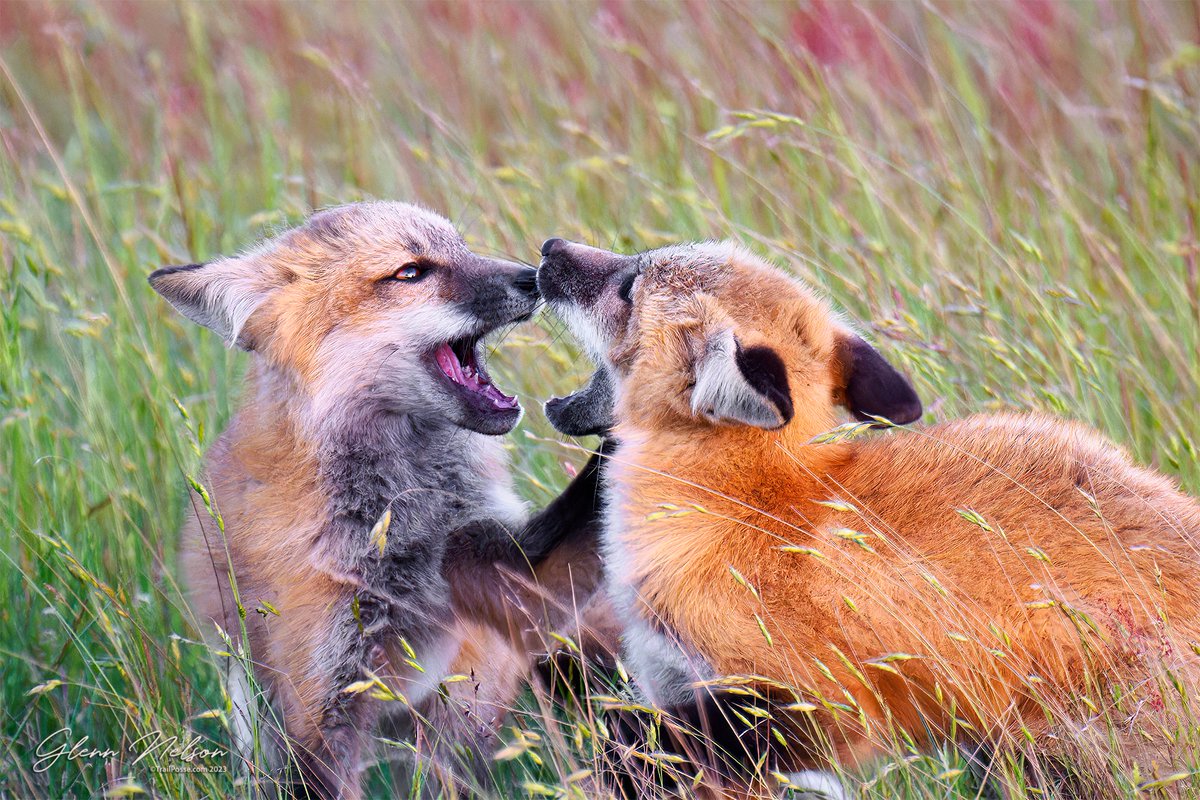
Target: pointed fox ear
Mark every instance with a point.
(871, 386)
(220, 295)
(741, 385)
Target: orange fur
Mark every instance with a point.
(871, 586)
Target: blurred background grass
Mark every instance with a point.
(1005, 194)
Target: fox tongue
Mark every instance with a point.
(449, 364)
(468, 376)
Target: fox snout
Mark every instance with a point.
(577, 273)
(590, 287)
(498, 293)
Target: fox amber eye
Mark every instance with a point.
(409, 272)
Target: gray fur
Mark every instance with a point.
(442, 522)
(667, 671)
(816, 785)
(587, 412)
(420, 469)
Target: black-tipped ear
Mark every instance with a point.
(747, 386)
(587, 412)
(179, 287)
(220, 295)
(874, 388)
(764, 370)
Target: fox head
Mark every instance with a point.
(708, 334)
(381, 300)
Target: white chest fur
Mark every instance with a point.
(663, 667)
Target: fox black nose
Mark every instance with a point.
(526, 281)
(550, 245)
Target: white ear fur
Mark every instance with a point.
(220, 295)
(722, 393)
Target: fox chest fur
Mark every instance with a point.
(350, 534)
(429, 483)
(397, 489)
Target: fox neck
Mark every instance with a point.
(677, 492)
(432, 475)
(362, 419)
(740, 464)
(683, 509)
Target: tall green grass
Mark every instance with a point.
(1006, 194)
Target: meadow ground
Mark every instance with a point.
(1004, 194)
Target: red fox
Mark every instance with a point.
(368, 513)
(1011, 582)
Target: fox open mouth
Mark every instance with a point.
(459, 361)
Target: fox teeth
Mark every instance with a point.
(472, 377)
